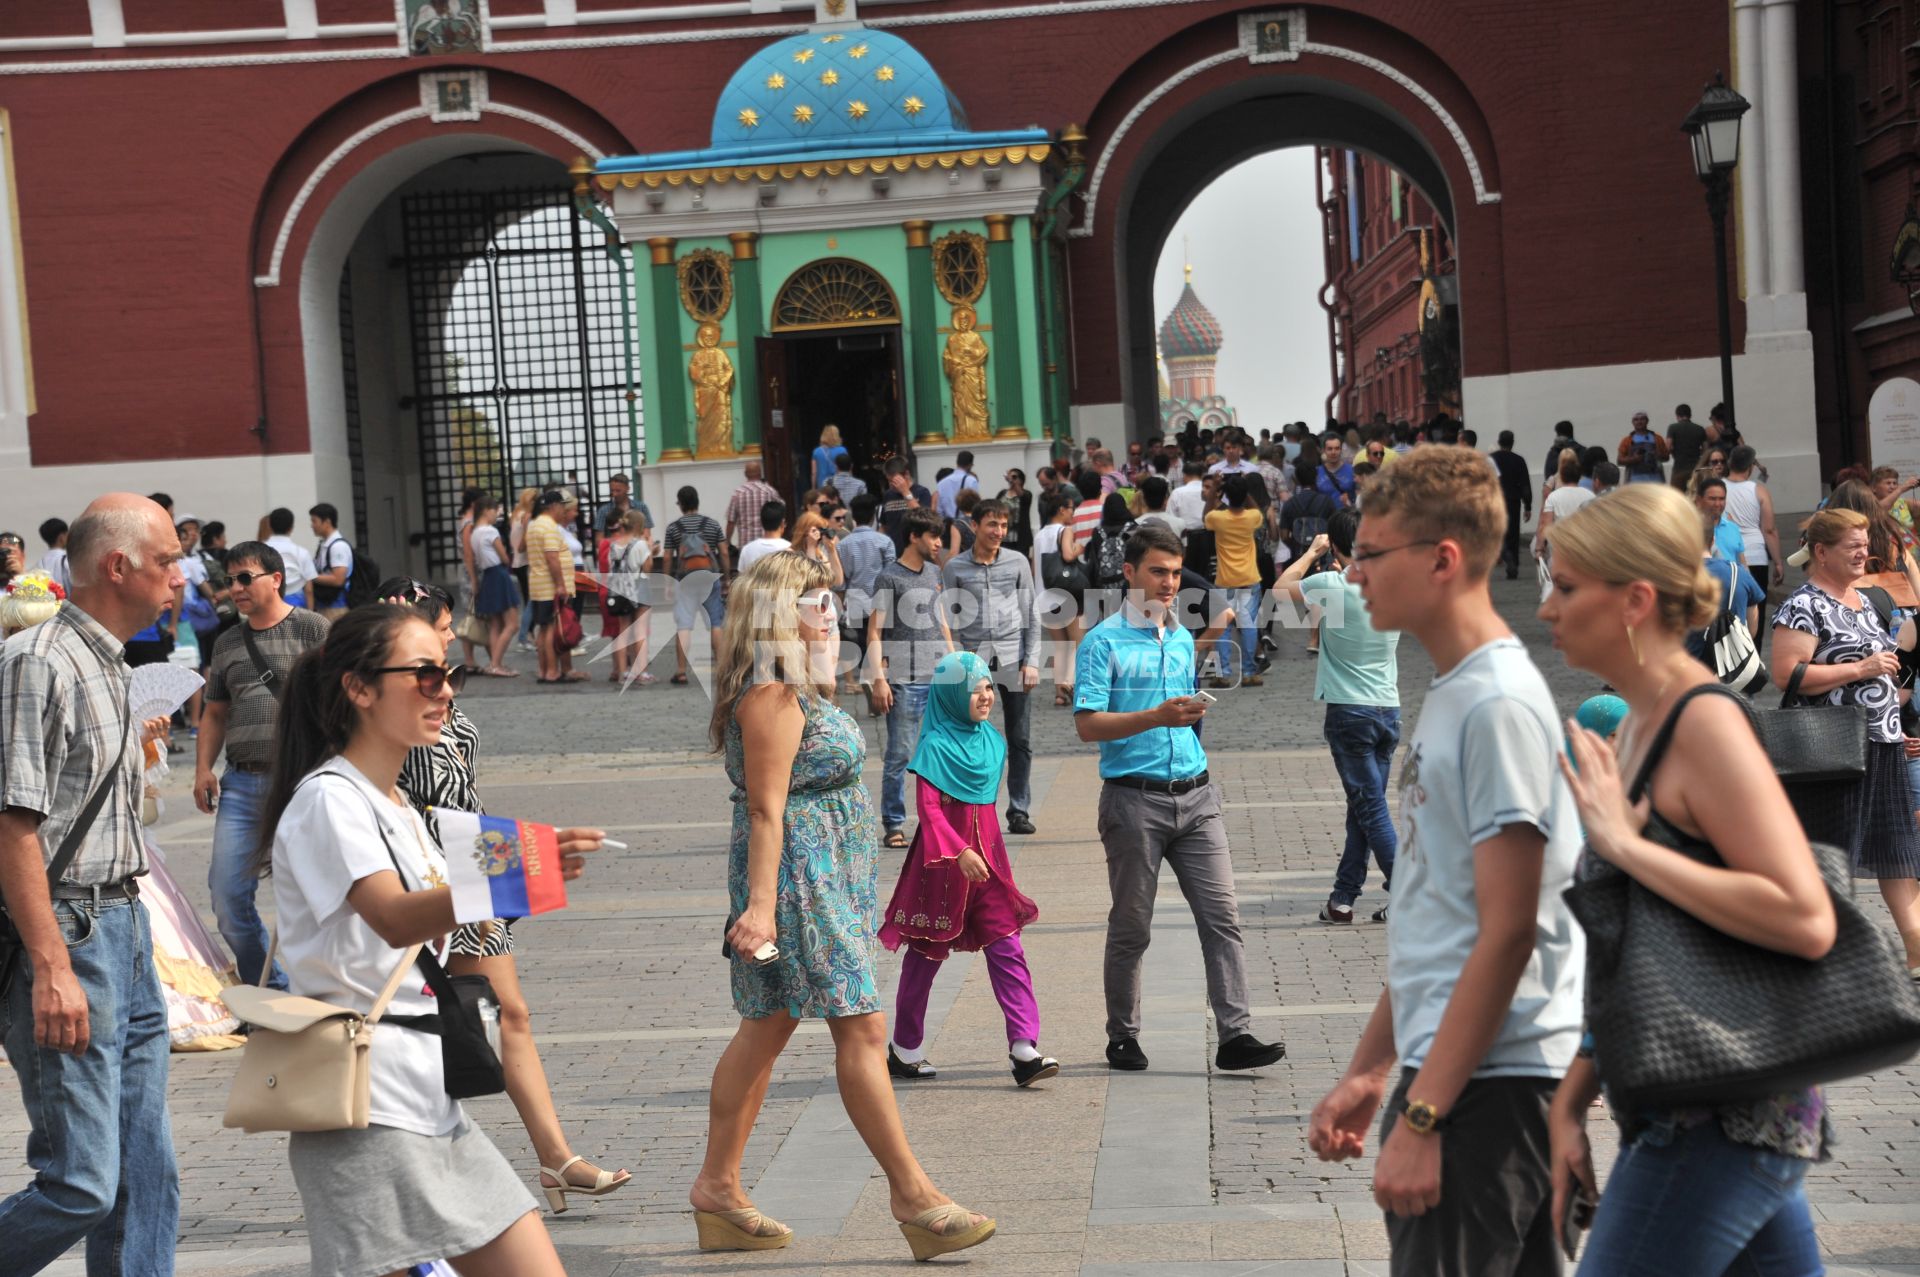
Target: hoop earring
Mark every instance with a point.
(1634, 644)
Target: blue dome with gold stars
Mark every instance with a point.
(846, 85)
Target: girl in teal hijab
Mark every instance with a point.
(956, 888)
(959, 755)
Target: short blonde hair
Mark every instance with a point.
(1831, 525)
(1444, 494)
(1643, 532)
(760, 642)
(829, 436)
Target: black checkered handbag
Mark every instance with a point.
(1684, 1015)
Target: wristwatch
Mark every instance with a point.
(1423, 1118)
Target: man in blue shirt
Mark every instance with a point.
(949, 487)
(1134, 695)
(1336, 476)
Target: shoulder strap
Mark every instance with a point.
(70, 845)
(1791, 696)
(1664, 737)
(1882, 604)
(268, 679)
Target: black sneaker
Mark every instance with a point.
(1248, 1052)
(1380, 914)
(1018, 822)
(1027, 1072)
(919, 1070)
(1337, 915)
(1125, 1053)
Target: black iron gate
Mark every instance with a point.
(520, 375)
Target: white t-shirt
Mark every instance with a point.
(1562, 502)
(1047, 539)
(334, 552)
(1188, 503)
(54, 564)
(327, 841)
(759, 548)
(486, 548)
(1482, 758)
(298, 563)
(1172, 522)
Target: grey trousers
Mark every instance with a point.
(1139, 830)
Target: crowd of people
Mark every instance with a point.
(335, 713)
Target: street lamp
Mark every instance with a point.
(1713, 127)
(1906, 258)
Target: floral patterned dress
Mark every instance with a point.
(826, 910)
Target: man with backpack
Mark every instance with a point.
(696, 554)
(1643, 453)
(332, 561)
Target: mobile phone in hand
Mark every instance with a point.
(1206, 698)
(1578, 1217)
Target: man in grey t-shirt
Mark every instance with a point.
(243, 696)
(907, 635)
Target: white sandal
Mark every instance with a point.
(604, 1182)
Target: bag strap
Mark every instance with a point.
(1789, 697)
(387, 991)
(267, 678)
(1664, 737)
(1881, 602)
(70, 845)
(424, 958)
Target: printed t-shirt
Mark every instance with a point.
(233, 677)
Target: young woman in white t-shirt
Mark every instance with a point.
(357, 881)
(1056, 516)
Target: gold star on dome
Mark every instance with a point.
(913, 106)
(803, 114)
(829, 77)
(856, 110)
(884, 73)
(833, 39)
(749, 118)
(857, 51)
(803, 56)
(776, 81)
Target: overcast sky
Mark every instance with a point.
(1254, 236)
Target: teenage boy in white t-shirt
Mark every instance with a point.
(1483, 1000)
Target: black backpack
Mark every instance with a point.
(1108, 553)
(363, 578)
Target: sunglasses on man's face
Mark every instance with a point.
(245, 580)
(430, 678)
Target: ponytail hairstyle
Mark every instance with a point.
(316, 719)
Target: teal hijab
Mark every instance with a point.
(957, 756)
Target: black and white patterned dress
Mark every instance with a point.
(1875, 823)
(442, 776)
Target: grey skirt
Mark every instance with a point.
(381, 1200)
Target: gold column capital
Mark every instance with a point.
(917, 233)
(999, 227)
(662, 250)
(746, 245)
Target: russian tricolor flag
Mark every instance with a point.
(500, 868)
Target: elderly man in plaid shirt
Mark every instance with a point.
(743, 508)
(83, 1017)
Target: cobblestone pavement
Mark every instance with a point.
(1179, 1170)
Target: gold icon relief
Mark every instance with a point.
(965, 359)
(712, 375)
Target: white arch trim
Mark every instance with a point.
(272, 278)
(1481, 195)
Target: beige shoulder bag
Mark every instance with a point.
(305, 1067)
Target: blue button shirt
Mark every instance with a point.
(1126, 664)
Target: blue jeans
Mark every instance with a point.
(100, 1143)
(1244, 637)
(903, 733)
(1690, 1200)
(1363, 738)
(230, 877)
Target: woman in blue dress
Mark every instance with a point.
(801, 878)
(823, 456)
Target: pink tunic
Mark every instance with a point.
(934, 909)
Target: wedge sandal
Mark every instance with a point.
(927, 1243)
(743, 1229)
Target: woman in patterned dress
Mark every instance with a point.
(442, 775)
(801, 876)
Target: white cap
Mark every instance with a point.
(1799, 557)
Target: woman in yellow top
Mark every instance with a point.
(1234, 522)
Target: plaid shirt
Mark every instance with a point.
(743, 508)
(63, 701)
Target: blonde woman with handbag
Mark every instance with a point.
(358, 886)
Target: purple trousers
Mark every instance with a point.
(1012, 985)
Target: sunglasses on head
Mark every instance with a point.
(430, 678)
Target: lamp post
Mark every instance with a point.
(1906, 258)
(1713, 126)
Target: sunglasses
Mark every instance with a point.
(430, 678)
(245, 580)
(10, 539)
(820, 604)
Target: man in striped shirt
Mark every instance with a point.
(743, 507)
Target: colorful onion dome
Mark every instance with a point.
(1191, 330)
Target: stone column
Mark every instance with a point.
(1781, 134)
(1009, 402)
(747, 322)
(666, 396)
(1750, 80)
(929, 423)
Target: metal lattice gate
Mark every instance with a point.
(520, 375)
